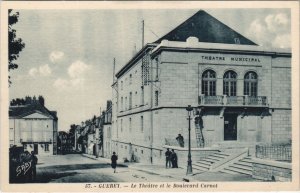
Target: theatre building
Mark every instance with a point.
(240, 92)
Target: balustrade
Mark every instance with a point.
(223, 100)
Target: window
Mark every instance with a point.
(46, 147)
(156, 98)
(237, 40)
(130, 79)
(250, 84)
(229, 83)
(142, 124)
(209, 83)
(142, 151)
(121, 85)
(130, 100)
(121, 125)
(130, 125)
(125, 103)
(136, 102)
(142, 95)
(122, 107)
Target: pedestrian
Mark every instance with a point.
(180, 140)
(34, 163)
(114, 159)
(168, 158)
(174, 159)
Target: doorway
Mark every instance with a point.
(230, 127)
(35, 149)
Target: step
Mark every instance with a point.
(214, 158)
(200, 168)
(236, 165)
(210, 160)
(237, 170)
(222, 153)
(244, 163)
(202, 165)
(204, 162)
(218, 156)
(246, 159)
(228, 171)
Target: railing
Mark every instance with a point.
(223, 100)
(175, 143)
(35, 140)
(274, 152)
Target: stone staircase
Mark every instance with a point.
(231, 162)
(206, 163)
(242, 166)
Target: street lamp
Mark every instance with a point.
(189, 166)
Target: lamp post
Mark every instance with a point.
(189, 170)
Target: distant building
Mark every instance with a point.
(32, 126)
(106, 137)
(241, 93)
(92, 137)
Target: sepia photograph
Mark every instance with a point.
(146, 98)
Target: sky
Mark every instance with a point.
(68, 57)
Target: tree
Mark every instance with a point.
(15, 45)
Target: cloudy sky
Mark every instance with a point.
(69, 54)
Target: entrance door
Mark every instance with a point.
(230, 127)
(35, 149)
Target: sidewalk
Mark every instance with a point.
(179, 174)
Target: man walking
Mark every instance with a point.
(168, 158)
(114, 159)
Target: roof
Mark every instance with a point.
(207, 29)
(24, 110)
(135, 58)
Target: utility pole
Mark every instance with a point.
(114, 68)
(143, 26)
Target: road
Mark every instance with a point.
(77, 168)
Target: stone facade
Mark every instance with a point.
(244, 100)
(149, 115)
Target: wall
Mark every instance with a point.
(271, 170)
(33, 131)
(281, 100)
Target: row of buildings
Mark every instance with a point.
(240, 94)
(91, 136)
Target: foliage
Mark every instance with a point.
(15, 45)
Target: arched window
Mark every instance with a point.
(209, 83)
(229, 83)
(250, 84)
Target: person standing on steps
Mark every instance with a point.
(168, 158)
(180, 140)
(114, 159)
